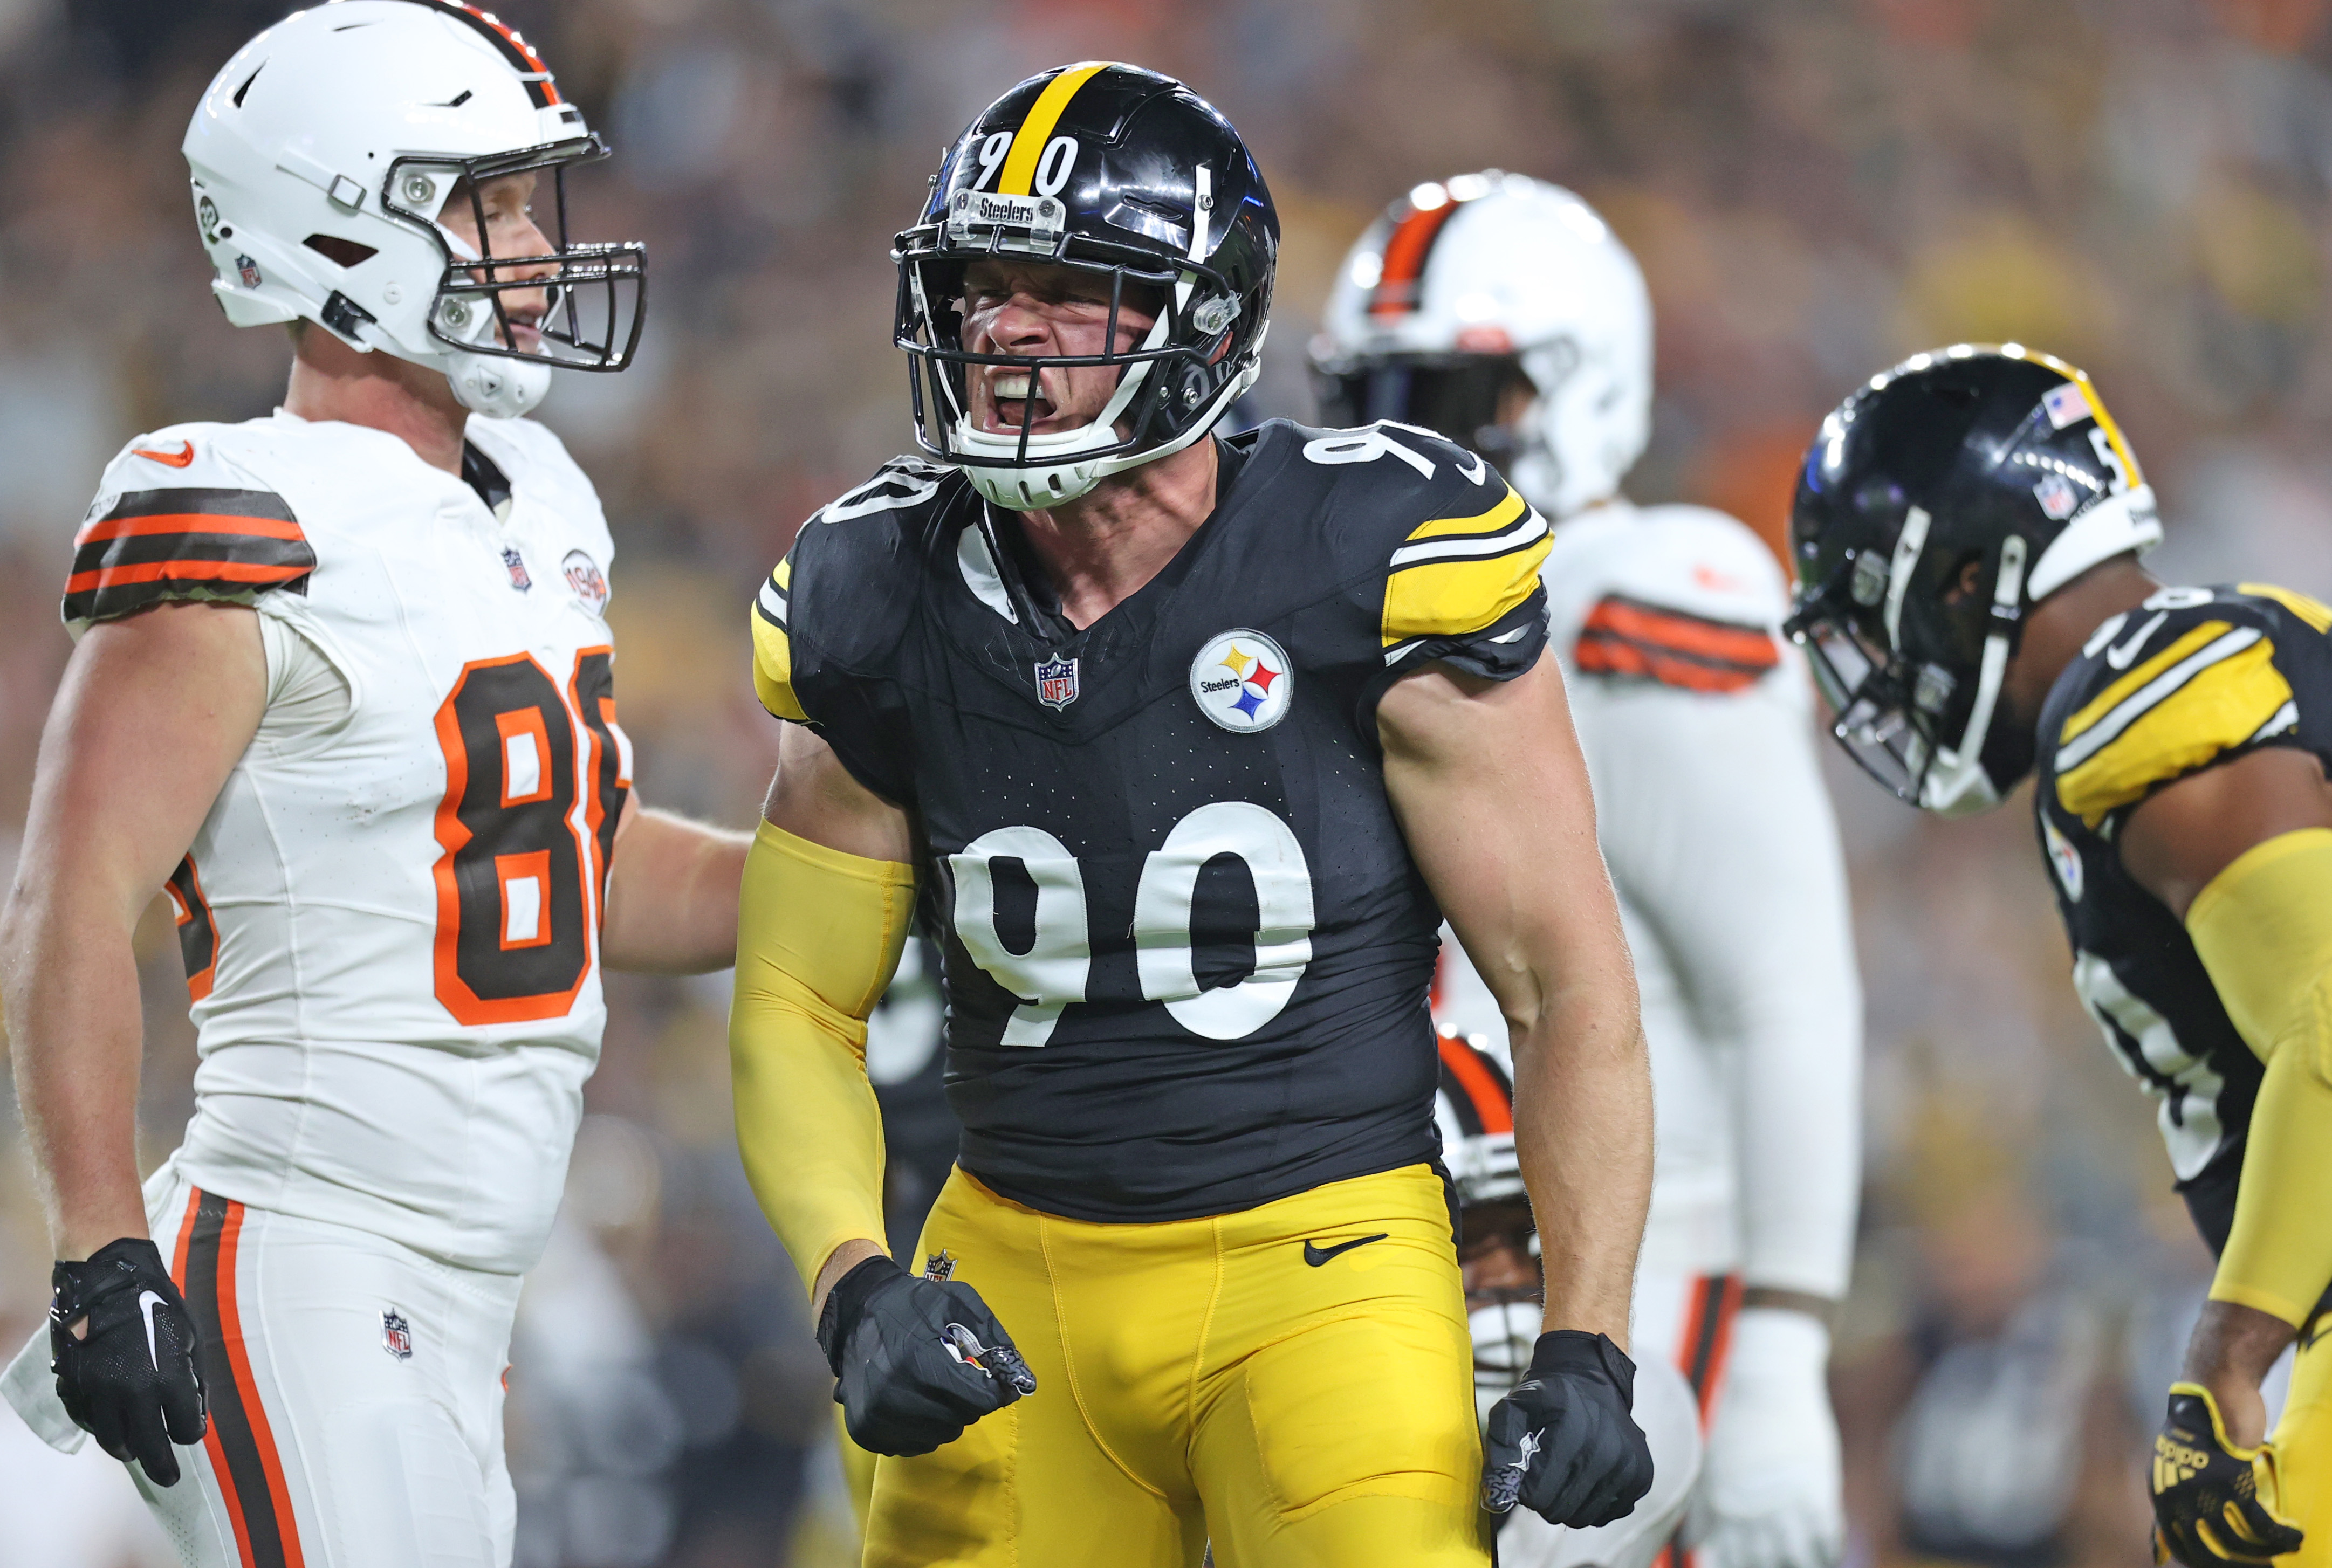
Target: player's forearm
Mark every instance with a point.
(819, 933)
(70, 980)
(672, 895)
(1583, 1135)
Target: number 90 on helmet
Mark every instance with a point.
(1131, 177)
(324, 159)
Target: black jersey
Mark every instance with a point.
(1185, 949)
(2191, 678)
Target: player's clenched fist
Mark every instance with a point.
(2209, 1510)
(919, 1361)
(122, 1346)
(1565, 1444)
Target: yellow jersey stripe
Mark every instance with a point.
(773, 669)
(1029, 142)
(2222, 706)
(2315, 612)
(1497, 517)
(2105, 701)
(1451, 599)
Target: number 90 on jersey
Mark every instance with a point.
(1055, 967)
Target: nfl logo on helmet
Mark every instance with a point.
(1056, 681)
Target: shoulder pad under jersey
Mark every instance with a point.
(1684, 596)
(1457, 548)
(840, 549)
(177, 517)
(2187, 678)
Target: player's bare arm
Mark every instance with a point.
(672, 893)
(152, 715)
(2177, 845)
(1493, 793)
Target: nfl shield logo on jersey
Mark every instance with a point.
(517, 564)
(1242, 681)
(1056, 681)
(396, 1335)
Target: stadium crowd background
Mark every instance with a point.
(1815, 187)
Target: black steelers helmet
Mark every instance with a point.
(1129, 175)
(1938, 502)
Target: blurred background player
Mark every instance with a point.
(1177, 742)
(344, 683)
(1503, 313)
(1968, 527)
(1499, 1251)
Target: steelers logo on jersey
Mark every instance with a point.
(1241, 679)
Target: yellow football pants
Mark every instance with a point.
(1205, 1378)
(2303, 1452)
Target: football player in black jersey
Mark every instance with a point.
(1180, 747)
(1967, 532)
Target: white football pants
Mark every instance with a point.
(355, 1390)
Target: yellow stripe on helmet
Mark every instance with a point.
(1029, 142)
(2080, 377)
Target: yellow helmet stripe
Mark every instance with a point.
(2074, 373)
(1029, 142)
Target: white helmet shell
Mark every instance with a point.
(1503, 265)
(320, 158)
(1473, 1108)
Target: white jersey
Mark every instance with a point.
(391, 917)
(1697, 720)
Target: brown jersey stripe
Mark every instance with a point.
(210, 500)
(1708, 1337)
(1600, 656)
(218, 523)
(241, 1445)
(1676, 631)
(202, 549)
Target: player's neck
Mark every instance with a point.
(331, 381)
(1099, 549)
(2059, 625)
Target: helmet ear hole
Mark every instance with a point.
(341, 251)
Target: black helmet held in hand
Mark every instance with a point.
(1939, 502)
(1131, 177)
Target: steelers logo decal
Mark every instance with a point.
(1241, 679)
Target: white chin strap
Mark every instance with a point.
(496, 385)
(1956, 784)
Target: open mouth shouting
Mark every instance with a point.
(1017, 396)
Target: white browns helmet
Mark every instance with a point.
(322, 156)
(1475, 1109)
(1476, 293)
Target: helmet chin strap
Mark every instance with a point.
(1955, 783)
(497, 386)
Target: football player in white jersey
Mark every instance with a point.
(1503, 313)
(343, 683)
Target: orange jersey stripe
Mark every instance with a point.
(278, 1498)
(188, 522)
(183, 570)
(1490, 1102)
(1608, 656)
(1686, 634)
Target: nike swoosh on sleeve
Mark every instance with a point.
(168, 459)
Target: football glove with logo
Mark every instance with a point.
(918, 1360)
(2213, 1502)
(128, 1376)
(1565, 1444)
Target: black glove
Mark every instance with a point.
(130, 1381)
(1564, 1444)
(918, 1361)
(2207, 1508)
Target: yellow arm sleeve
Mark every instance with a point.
(818, 934)
(2263, 928)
